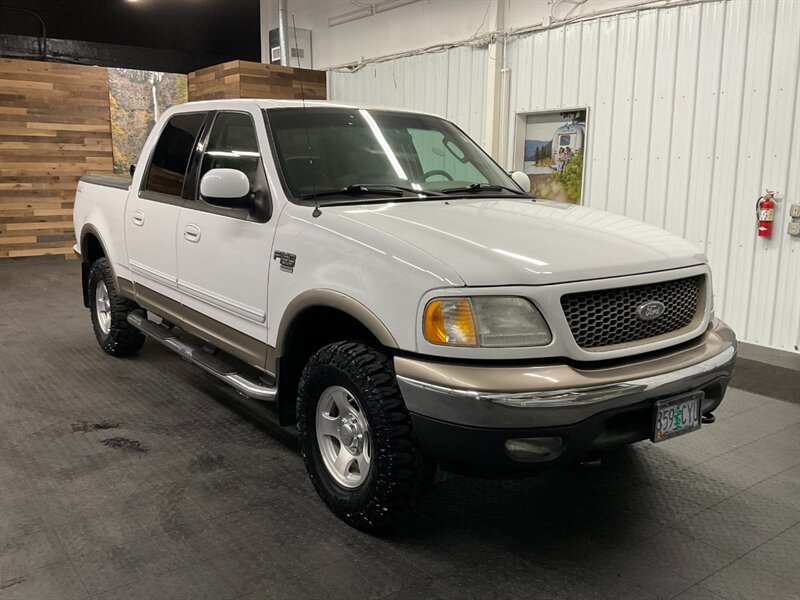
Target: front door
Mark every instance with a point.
(224, 253)
(151, 215)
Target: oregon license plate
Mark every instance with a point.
(676, 416)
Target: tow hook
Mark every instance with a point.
(590, 461)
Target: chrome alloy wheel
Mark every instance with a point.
(102, 305)
(343, 437)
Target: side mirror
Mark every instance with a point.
(228, 188)
(522, 180)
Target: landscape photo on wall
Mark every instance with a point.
(553, 153)
(138, 99)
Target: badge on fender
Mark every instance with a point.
(288, 260)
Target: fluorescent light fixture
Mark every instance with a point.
(391, 4)
(368, 11)
(347, 17)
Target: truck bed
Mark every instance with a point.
(100, 211)
(120, 182)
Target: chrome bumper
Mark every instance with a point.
(715, 352)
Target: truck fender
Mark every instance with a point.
(86, 259)
(332, 299)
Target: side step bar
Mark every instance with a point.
(257, 390)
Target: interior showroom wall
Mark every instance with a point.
(691, 108)
(62, 121)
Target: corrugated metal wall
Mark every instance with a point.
(694, 111)
(451, 83)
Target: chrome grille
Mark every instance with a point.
(609, 317)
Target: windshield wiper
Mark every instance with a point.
(413, 191)
(483, 187)
(383, 189)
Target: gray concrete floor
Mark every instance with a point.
(130, 479)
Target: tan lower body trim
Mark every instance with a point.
(126, 288)
(252, 351)
(516, 379)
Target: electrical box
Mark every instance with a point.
(299, 48)
(794, 224)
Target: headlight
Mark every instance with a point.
(485, 321)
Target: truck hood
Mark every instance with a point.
(519, 242)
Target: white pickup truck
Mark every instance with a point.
(381, 282)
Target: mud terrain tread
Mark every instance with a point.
(123, 339)
(398, 471)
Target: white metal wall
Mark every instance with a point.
(451, 83)
(693, 112)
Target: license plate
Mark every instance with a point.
(676, 416)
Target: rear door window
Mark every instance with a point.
(167, 171)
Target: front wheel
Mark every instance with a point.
(356, 436)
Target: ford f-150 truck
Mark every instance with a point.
(381, 282)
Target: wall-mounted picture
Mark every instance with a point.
(138, 98)
(551, 154)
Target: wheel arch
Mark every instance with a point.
(315, 319)
(331, 299)
(92, 247)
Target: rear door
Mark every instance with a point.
(224, 253)
(151, 214)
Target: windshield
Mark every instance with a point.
(324, 151)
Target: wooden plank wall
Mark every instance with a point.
(54, 127)
(243, 79)
(214, 83)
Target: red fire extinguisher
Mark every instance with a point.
(765, 209)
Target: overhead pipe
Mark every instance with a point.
(283, 31)
(41, 22)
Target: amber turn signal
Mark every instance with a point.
(449, 322)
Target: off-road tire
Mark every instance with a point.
(396, 475)
(123, 339)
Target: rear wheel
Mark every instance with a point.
(110, 312)
(356, 436)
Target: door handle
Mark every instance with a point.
(138, 218)
(191, 233)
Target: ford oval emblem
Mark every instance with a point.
(650, 310)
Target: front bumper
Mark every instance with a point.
(465, 415)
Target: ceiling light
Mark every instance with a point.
(391, 4)
(347, 17)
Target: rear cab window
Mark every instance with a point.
(166, 173)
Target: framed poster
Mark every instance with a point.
(550, 149)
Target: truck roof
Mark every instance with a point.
(267, 104)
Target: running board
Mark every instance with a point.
(257, 390)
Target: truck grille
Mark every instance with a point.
(609, 317)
